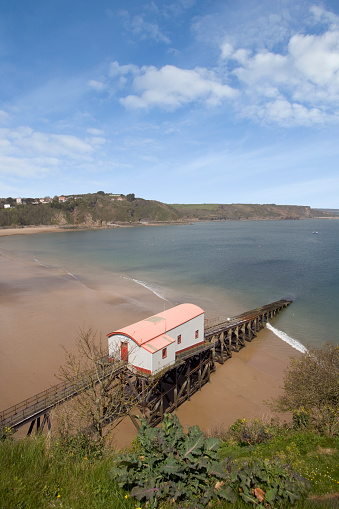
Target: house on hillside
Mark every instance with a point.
(117, 197)
(154, 343)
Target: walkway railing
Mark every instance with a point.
(27, 410)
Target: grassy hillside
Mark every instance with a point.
(247, 211)
(102, 209)
(90, 210)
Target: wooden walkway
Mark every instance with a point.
(230, 334)
(168, 389)
(36, 409)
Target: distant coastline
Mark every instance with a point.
(34, 229)
(105, 210)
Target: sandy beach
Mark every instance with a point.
(43, 308)
(26, 230)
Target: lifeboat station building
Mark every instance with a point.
(153, 344)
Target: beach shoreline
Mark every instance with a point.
(42, 309)
(27, 230)
(32, 229)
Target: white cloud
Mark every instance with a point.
(171, 87)
(323, 16)
(287, 113)
(25, 152)
(303, 80)
(122, 70)
(143, 29)
(97, 85)
(226, 50)
(57, 145)
(147, 29)
(25, 167)
(316, 58)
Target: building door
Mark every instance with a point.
(124, 351)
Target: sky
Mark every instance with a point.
(181, 101)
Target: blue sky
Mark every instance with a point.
(186, 101)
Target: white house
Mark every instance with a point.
(153, 344)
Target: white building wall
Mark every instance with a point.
(158, 363)
(187, 331)
(137, 356)
(143, 359)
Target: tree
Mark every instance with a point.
(311, 384)
(130, 197)
(105, 396)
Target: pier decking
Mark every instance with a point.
(153, 395)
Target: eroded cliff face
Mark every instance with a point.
(60, 219)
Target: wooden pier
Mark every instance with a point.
(231, 334)
(155, 395)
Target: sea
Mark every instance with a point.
(226, 267)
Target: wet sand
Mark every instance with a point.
(41, 310)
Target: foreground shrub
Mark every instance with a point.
(267, 483)
(171, 465)
(247, 432)
(81, 445)
(311, 390)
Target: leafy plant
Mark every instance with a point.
(267, 483)
(301, 418)
(171, 465)
(249, 432)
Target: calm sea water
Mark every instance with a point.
(253, 263)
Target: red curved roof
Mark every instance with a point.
(157, 325)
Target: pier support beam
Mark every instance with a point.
(40, 425)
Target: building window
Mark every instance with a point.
(164, 353)
(196, 334)
(179, 339)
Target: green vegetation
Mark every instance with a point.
(40, 472)
(90, 210)
(80, 471)
(311, 390)
(168, 464)
(252, 464)
(210, 212)
(102, 209)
